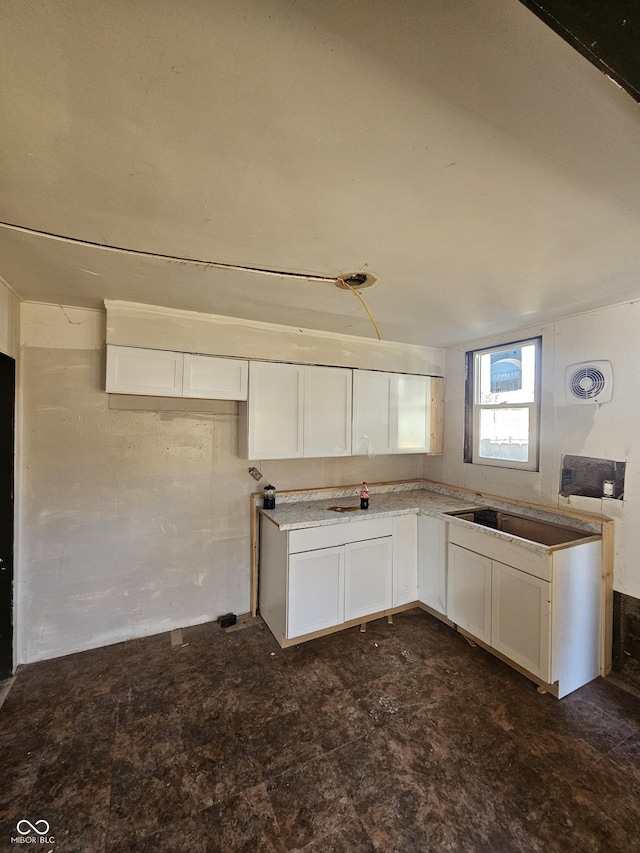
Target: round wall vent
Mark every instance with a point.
(589, 382)
(355, 280)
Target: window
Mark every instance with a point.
(503, 404)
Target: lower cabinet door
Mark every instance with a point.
(405, 559)
(469, 591)
(315, 591)
(432, 562)
(521, 623)
(368, 577)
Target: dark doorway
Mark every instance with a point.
(7, 431)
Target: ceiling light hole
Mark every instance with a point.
(354, 280)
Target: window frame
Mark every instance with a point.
(474, 408)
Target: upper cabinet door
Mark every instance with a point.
(134, 370)
(413, 428)
(276, 399)
(327, 411)
(374, 413)
(215, 378)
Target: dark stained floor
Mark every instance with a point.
(403, 738)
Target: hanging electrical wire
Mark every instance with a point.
(357, 279)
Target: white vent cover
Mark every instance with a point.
(589, 382)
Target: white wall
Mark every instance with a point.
(609, 431)
(133, 522)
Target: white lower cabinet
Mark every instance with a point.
(368, 577)
(318, 578)
(316, 590)
(521, 619)
(432, 563)
(469, 592)
(405, 559)
(541, 610)
(502, 606)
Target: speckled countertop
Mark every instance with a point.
(298, 510)
(314, 512)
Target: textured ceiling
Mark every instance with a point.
(479, 167)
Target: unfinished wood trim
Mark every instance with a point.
(608, 556)
(562, 545)
(352, 623)
(436, 440)
(440, 616)
(550, 688)
(356, 486)
(467, 448)
(596, 518)
(253, 569)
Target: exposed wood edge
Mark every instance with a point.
(553, 689)
(253, 571)
(432, 612)
(608, 556)
(355, 486)
(561, 546)
(352, 623)
(598, 518)
(436, 439)
(264, 515)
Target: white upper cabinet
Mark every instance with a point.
(134, 370)
(160, 373)
(274, 411)
(393, 413)
(296, 410)
(413, 395)
(327, 411)
(215, 378)
(373, 413)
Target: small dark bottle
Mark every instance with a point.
(364, 496)
(269, 499)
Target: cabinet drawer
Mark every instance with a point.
(534, 562)
(326, 536)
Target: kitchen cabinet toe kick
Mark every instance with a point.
(352, 623)
(542, 685)
(514, 597)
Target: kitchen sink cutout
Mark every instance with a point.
(542, 532)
